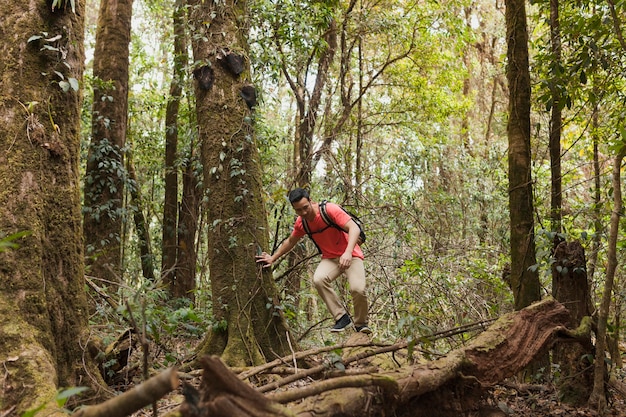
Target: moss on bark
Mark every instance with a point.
(244, 295)
(42, 298)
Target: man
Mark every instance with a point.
(340, 254)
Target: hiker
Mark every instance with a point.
(340, 254)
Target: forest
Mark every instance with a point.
(147, 149)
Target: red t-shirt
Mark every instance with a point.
(331, 241)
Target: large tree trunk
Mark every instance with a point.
(43, 306)
(244, 295)
(524, 280)
(450, 386)
(105, 175)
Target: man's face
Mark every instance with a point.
(304, 209)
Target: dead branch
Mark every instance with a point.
(142, 395)
(306, 353)
(449, 386)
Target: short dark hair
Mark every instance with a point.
(298, 194)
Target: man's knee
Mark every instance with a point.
(319, 280)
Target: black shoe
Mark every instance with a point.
(363, 329)
(342, 323)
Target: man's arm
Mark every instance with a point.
(353, 236)
(284, 248)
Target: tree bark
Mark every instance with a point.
(188, 219)
(105, 176)
(556, 196)
(169, 258)
(598, 397)
(43, 305)
(571, 288)
(249, 327)
(141, 224)
(524, 276)
(142, 395)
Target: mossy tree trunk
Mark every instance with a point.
(106, 176)
(524, 277)
(250, 328)
(43, 304)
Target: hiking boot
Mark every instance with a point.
(342, 323)
(363, 329)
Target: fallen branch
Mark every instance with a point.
(142, 395)
(306, 353)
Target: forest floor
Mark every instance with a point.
(505, 400)
(508, 399)
(542, 402)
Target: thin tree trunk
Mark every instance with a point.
(170, 205)
(524, 277)
(597, 198)
(598, 397)
(556, 196)
(187, 231)
(141, 225)
(105, 175)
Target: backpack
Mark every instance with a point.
(331, 223)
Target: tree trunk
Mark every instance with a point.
(598, 397)
(556, 197)
(524, 277)
(249, 327)
(570, 287)
(43, 305)
(105, 176)
(189, 212)
(141, 224)
(169, 256)
(598, 229)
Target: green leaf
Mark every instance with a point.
(74, 84)
(33, 411)
(65, 394)
(65, 86)
(7, 242)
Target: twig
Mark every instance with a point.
(320, 368)
(300, 355)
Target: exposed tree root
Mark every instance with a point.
(449, 386)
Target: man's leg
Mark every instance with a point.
(356, 280)
(327, 271)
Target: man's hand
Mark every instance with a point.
(265, 258)
(345, 261)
